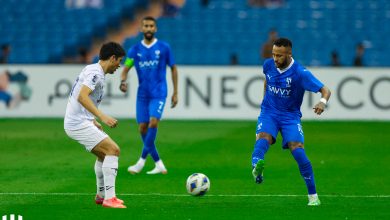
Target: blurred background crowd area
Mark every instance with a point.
(200, 32)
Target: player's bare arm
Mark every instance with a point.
(98, 125)
(87, 103)
(325, 95)
(174, 99)
(123, 85)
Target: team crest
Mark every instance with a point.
(288, 81)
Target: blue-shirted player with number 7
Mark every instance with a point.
(150, 58)
(284, 87)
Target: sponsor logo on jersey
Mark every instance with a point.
(150, 63)
(279, 91)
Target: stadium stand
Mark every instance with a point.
(209, 35)
(41, 31)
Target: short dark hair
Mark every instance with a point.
(109, 49)
(149, 18)
(283, 42)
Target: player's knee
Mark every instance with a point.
(143, 128)
(265, 136)
(153, 123)
(295, 145)
(116, 151)
(113, 150)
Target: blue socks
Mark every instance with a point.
(149, 146)
(305, 169)
(261, 147)
(145, 151)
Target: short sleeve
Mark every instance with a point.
(131, 53)
(266, 65)
(309, 81)
(91, 79)
(169, 55)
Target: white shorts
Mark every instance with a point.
(89, 136)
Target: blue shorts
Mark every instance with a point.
(148, 108)
(289, 126)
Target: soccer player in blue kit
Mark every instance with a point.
(284, 87)
(150, 58)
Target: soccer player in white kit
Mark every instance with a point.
(80, 123)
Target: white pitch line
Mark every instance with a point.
(183, 195)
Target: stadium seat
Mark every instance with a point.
(316, 27)
(24, 23)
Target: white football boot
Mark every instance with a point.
(137, 168)
(314, 200)
(159, 168)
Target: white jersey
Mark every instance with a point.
(76, 116)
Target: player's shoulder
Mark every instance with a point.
(135, 46)
(268, 63)
(300, 68)
(93, 69)
(162, 43)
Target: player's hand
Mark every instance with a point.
(123, 86)
(174, 100)
(98, 125)
(319, 108)
(109, 121)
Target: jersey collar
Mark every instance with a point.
(150, 45)
(287, 68)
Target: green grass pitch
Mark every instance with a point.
(46, 175)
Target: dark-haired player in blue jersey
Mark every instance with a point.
(150, 58)
(284, 87)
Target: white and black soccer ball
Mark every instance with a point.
(198, 184)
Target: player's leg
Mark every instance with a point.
(137, 167)
(156, 109)
(142, 115)
(95, 141)
(111, 151)
(293, 139)
(263, 141)
(143, 130)
(266, 133)
(150, 141)
(306, 170)
(99, 179)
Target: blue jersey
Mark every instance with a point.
(151, 62)
(285, 89)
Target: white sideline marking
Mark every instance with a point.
(182, 195)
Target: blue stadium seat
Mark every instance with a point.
(56, 30)
(316, 27)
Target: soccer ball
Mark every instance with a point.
(198, 184)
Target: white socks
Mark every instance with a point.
(159, 168)
(110, 168)
(141, 162)
(99, 179)
(160, 164)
